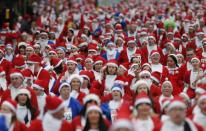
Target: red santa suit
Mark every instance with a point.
(7, 66)
(49, 123)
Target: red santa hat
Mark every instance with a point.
(83, 44)
(165, 103)
(27, 73)
(144, 72)
(91, 97)
(138, 83)
(118, 27)
(98, 59)
(142, 98)
(146, 64)
(202, 97)
(176, 102)
(16, 72)
(121, 80)
(22, 44)
(55, 62)
(156, 76)
(93, 108)
(185, 96)
(195, 58)
(152, 36)
(71, 60)
(200, 32)
(19, 61)
(73, 76)
(153, 52)
(125, 66)
(112, 62)
(2, 71)
(1, 50)
(54, 104)
(89, 58)
(92, 47)
(11, 104)
(30, 47)
(131, 40)
(88, 75)
(201, 88)
(167, 82)
(52, 51)
(34, 58)
(23, 91)
(64, 84)
(41, 85)
(9, 46)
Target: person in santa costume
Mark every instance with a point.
(157, 66)
(192, 77)
(94, 119)
(119, 42)
(88, 63)
(200, 117)
(76, 81)
(41, 90)
(146, 76)
(113, 105)
(147, 51)
(71, 69)
(25, 110)
(11, 123)
(199, 38)
(16, 84)
(111, 51)
(174, 74)
(97, 66)
(73, 107)
(109, 76)
(34, 63)
(126, 54)
(3, 81)
(79, 122)
(53, 118)
(177, 118)
(167, 90)
(142, 119)
(9, 53)
(7, 66)
(19, 62)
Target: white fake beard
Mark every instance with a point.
(8, 117)
(110, 52)
(203, 81)
(43, 43)
(31, 68)
(76, 17)
(3, 83)
(149, 81)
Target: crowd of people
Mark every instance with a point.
(132, 66)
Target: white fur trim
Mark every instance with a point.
(71, 61)
(122, 123)
(6, 103)
(37, 86)
(142, 100)
(23, 91)
(151, 37)
(64, 84)
(199, 90)
(16, 74)
(85, 76)
(62, 105)
(123, 67)
(131, 41)
(166, 103)
(138, 83)
(201, 98)
(155, 79)
(155, 53)
(73, 76)
(92, 50)
(93, 108)
(91, 97)
(121, 82)
(167, 82)
(176, 104)
(118, 89)
(195, 59)
(145, 72)
(58, 63)
(96, 62)
(32, 62)
(112, 64)
(200, 33)
(82, 44)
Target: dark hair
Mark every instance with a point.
(102, 125)
(29, 106)
(174, 59)
(58, 69)
(83, 111)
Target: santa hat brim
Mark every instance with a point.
(6, 103)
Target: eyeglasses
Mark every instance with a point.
(145, 76)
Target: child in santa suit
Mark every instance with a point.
(200, 117)
(113, 105)
(177, 120)
(73, 107)
(76, 81)
(53, 118)
(142, 119)
(11, 123)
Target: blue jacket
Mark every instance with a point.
(116, 57)
(75, 106)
